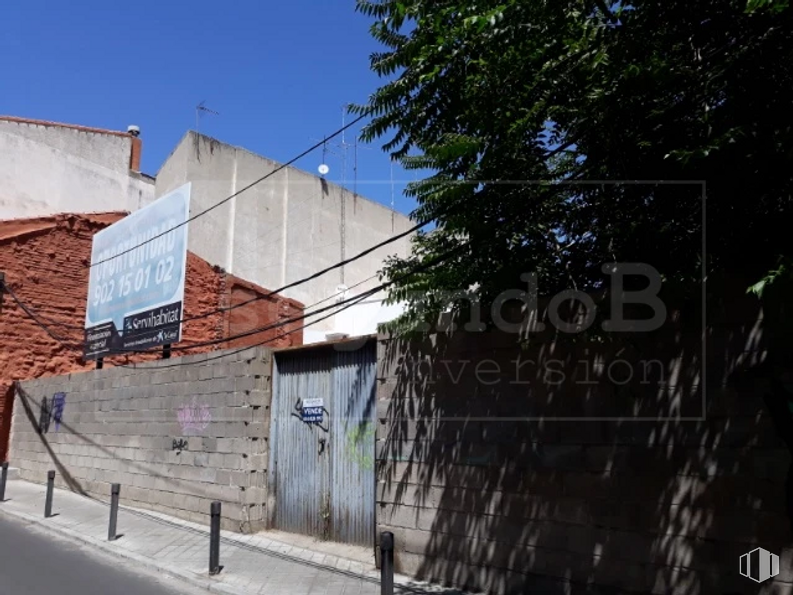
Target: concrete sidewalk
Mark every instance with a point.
(252, 564)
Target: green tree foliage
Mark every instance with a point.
(518, 106)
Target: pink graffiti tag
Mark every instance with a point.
(193, 417)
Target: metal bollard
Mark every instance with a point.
(214, 538)
(387, 563)
(3, 479)
(48, 501)
(115, 492)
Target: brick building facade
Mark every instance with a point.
(46, 264)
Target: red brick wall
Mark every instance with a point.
(258, 314)
(135, 153)
(46, 265)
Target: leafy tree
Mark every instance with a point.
(489, 93)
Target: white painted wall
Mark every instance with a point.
(283, 229)
(48, 169)
(363, 318)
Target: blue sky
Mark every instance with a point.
(278, 73)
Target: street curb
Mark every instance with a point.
(189, 577)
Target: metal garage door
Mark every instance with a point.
(323, 469)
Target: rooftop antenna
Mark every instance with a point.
(343, 199)
(342, 147)
(355, 165)
(392, 194)
(323, 167)
(200, 110)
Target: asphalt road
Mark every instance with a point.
(33, 562)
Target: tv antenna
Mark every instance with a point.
(200, 110)
(392, 194)
(342, 148)
(355, 164)
(323, 166)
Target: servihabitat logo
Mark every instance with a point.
(759, 565)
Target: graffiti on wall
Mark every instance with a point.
(179, 445)
(193, 418)
(51, 410)
(44, 416)
(58, 404)
(360, 445)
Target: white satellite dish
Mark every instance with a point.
(323, 169)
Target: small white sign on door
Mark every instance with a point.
(312, 410)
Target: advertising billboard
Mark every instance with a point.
(136, 285)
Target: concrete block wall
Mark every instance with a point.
(176, 438)
(493, 477)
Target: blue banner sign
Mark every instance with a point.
(136, 285)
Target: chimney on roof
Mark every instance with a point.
(137, 147)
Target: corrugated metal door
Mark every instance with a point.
(352, 490)
(299, 457)
(324, 473)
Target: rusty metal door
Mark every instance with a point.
(323, 471)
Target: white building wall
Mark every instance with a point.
(283, 229)
(47, 169)
(363, 318)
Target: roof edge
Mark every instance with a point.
(12, 229)
(19, 120)
(333, 344)
(284, 166)
(250, 286)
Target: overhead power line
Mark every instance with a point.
(313, 276)
(338, 307)
(76, 346)
(301, 281)
(32, 315)
(419, 268)
(348, 303)
(259, 344)
(330, 297)
(231, 196)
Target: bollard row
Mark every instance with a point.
(386, 538)
(112, 534)
(386, 542)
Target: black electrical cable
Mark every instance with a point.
(32, 315)
(426, 265)
(338, 307)
(241, 349)
(312, 276)
(234, 195)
